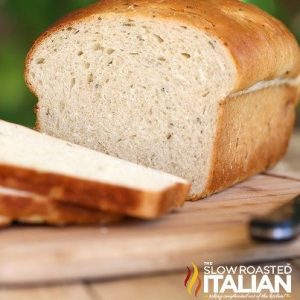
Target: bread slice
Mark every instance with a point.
(30, 208)
(152, 82)
(60, 170)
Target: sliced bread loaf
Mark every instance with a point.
(154, 82)
(30, 208)
(35, 162)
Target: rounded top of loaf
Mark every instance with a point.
(261, 47)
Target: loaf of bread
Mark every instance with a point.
(34, 162)
(203, 89)
(31, 208)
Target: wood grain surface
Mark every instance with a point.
(154, 287)
(30, 254)
(214, 229)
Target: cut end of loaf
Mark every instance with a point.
(135, 88)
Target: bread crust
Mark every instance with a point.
(110, 198)
(261, 47)
(4, 221)
(36, 209)
(253, 134)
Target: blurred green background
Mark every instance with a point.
(21, 21)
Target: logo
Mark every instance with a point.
(240, 282)
(190, 282)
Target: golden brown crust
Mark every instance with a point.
(143, 204)
(253, 132)
(261, 46)
(36, 209)
(4, 221)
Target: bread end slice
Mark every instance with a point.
(121, 200)
(31, 208)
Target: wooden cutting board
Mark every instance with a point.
(214, 229)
